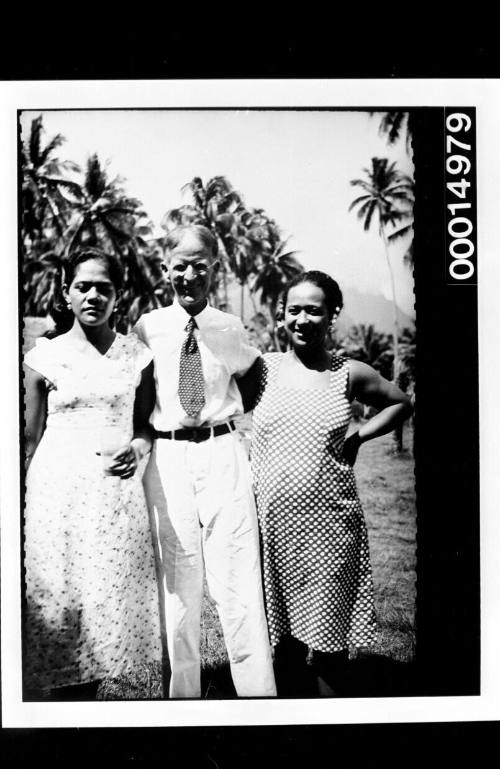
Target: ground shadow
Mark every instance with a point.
(375, 675)
(370, 675)
(216, 683)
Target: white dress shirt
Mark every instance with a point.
(225, 353)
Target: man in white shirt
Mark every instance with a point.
(198, 483)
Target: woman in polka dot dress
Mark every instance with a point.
(317, 574)
(91, 607)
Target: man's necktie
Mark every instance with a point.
(191, 383)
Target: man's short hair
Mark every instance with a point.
(205, 236)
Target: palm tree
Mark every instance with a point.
(216, 206)
(363, 342)
(102, 216)
(387, 195)
(42, 283)
(106, 217)
(393, 125)
(277, 267)
(47, 195)
(402, 232)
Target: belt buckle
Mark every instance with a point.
(196, 435)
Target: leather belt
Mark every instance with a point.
(195, 434)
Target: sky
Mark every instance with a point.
(297, 165)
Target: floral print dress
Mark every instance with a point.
(91, 608)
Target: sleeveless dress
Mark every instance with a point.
(91, 608)
(317, 574)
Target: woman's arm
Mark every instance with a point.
(36, 410)
(250, 384)
(370, 388)
(126, 459)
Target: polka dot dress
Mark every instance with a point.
(317, 575)
(91, 592)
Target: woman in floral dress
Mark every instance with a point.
(91, 609)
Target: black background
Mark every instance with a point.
(446, 439)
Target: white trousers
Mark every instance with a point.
(200, 498)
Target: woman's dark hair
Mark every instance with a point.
(333, 295)
(204, 235)
(81, 255)
(62, 317)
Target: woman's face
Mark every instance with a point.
(91, 293)
(306, 316)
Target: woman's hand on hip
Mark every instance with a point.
(351, 448)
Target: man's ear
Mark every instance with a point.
(215, 266)
(64, 292)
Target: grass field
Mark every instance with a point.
(386, 488)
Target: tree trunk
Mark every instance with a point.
(395, 331)
(242, 300)
(397, 438)
(397, 433)
(223, 261)
(254, 303)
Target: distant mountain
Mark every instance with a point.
(358, 308)
(370, 308)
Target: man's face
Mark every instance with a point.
(191, 269)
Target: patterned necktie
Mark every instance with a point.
(191, 383)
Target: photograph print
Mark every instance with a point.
(234, 328)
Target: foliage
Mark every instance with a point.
(394, 125)
(61, 214)
(64, 209)
(215, 206)
(405, 230)
(388, 194)
(47, 195)
(107, 218)
(250, 243)
(388, 197)
(364, 343)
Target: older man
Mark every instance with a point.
(198, 483)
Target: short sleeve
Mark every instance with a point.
(42, 358)
(140, 330)
(247, 355)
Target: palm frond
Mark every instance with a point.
(370, 210)
(34, 141)
(53, 144)
(355, 202)
(402, 232)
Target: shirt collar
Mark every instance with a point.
(201, 319)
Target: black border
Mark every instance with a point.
(447, 438)
(376, 43)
